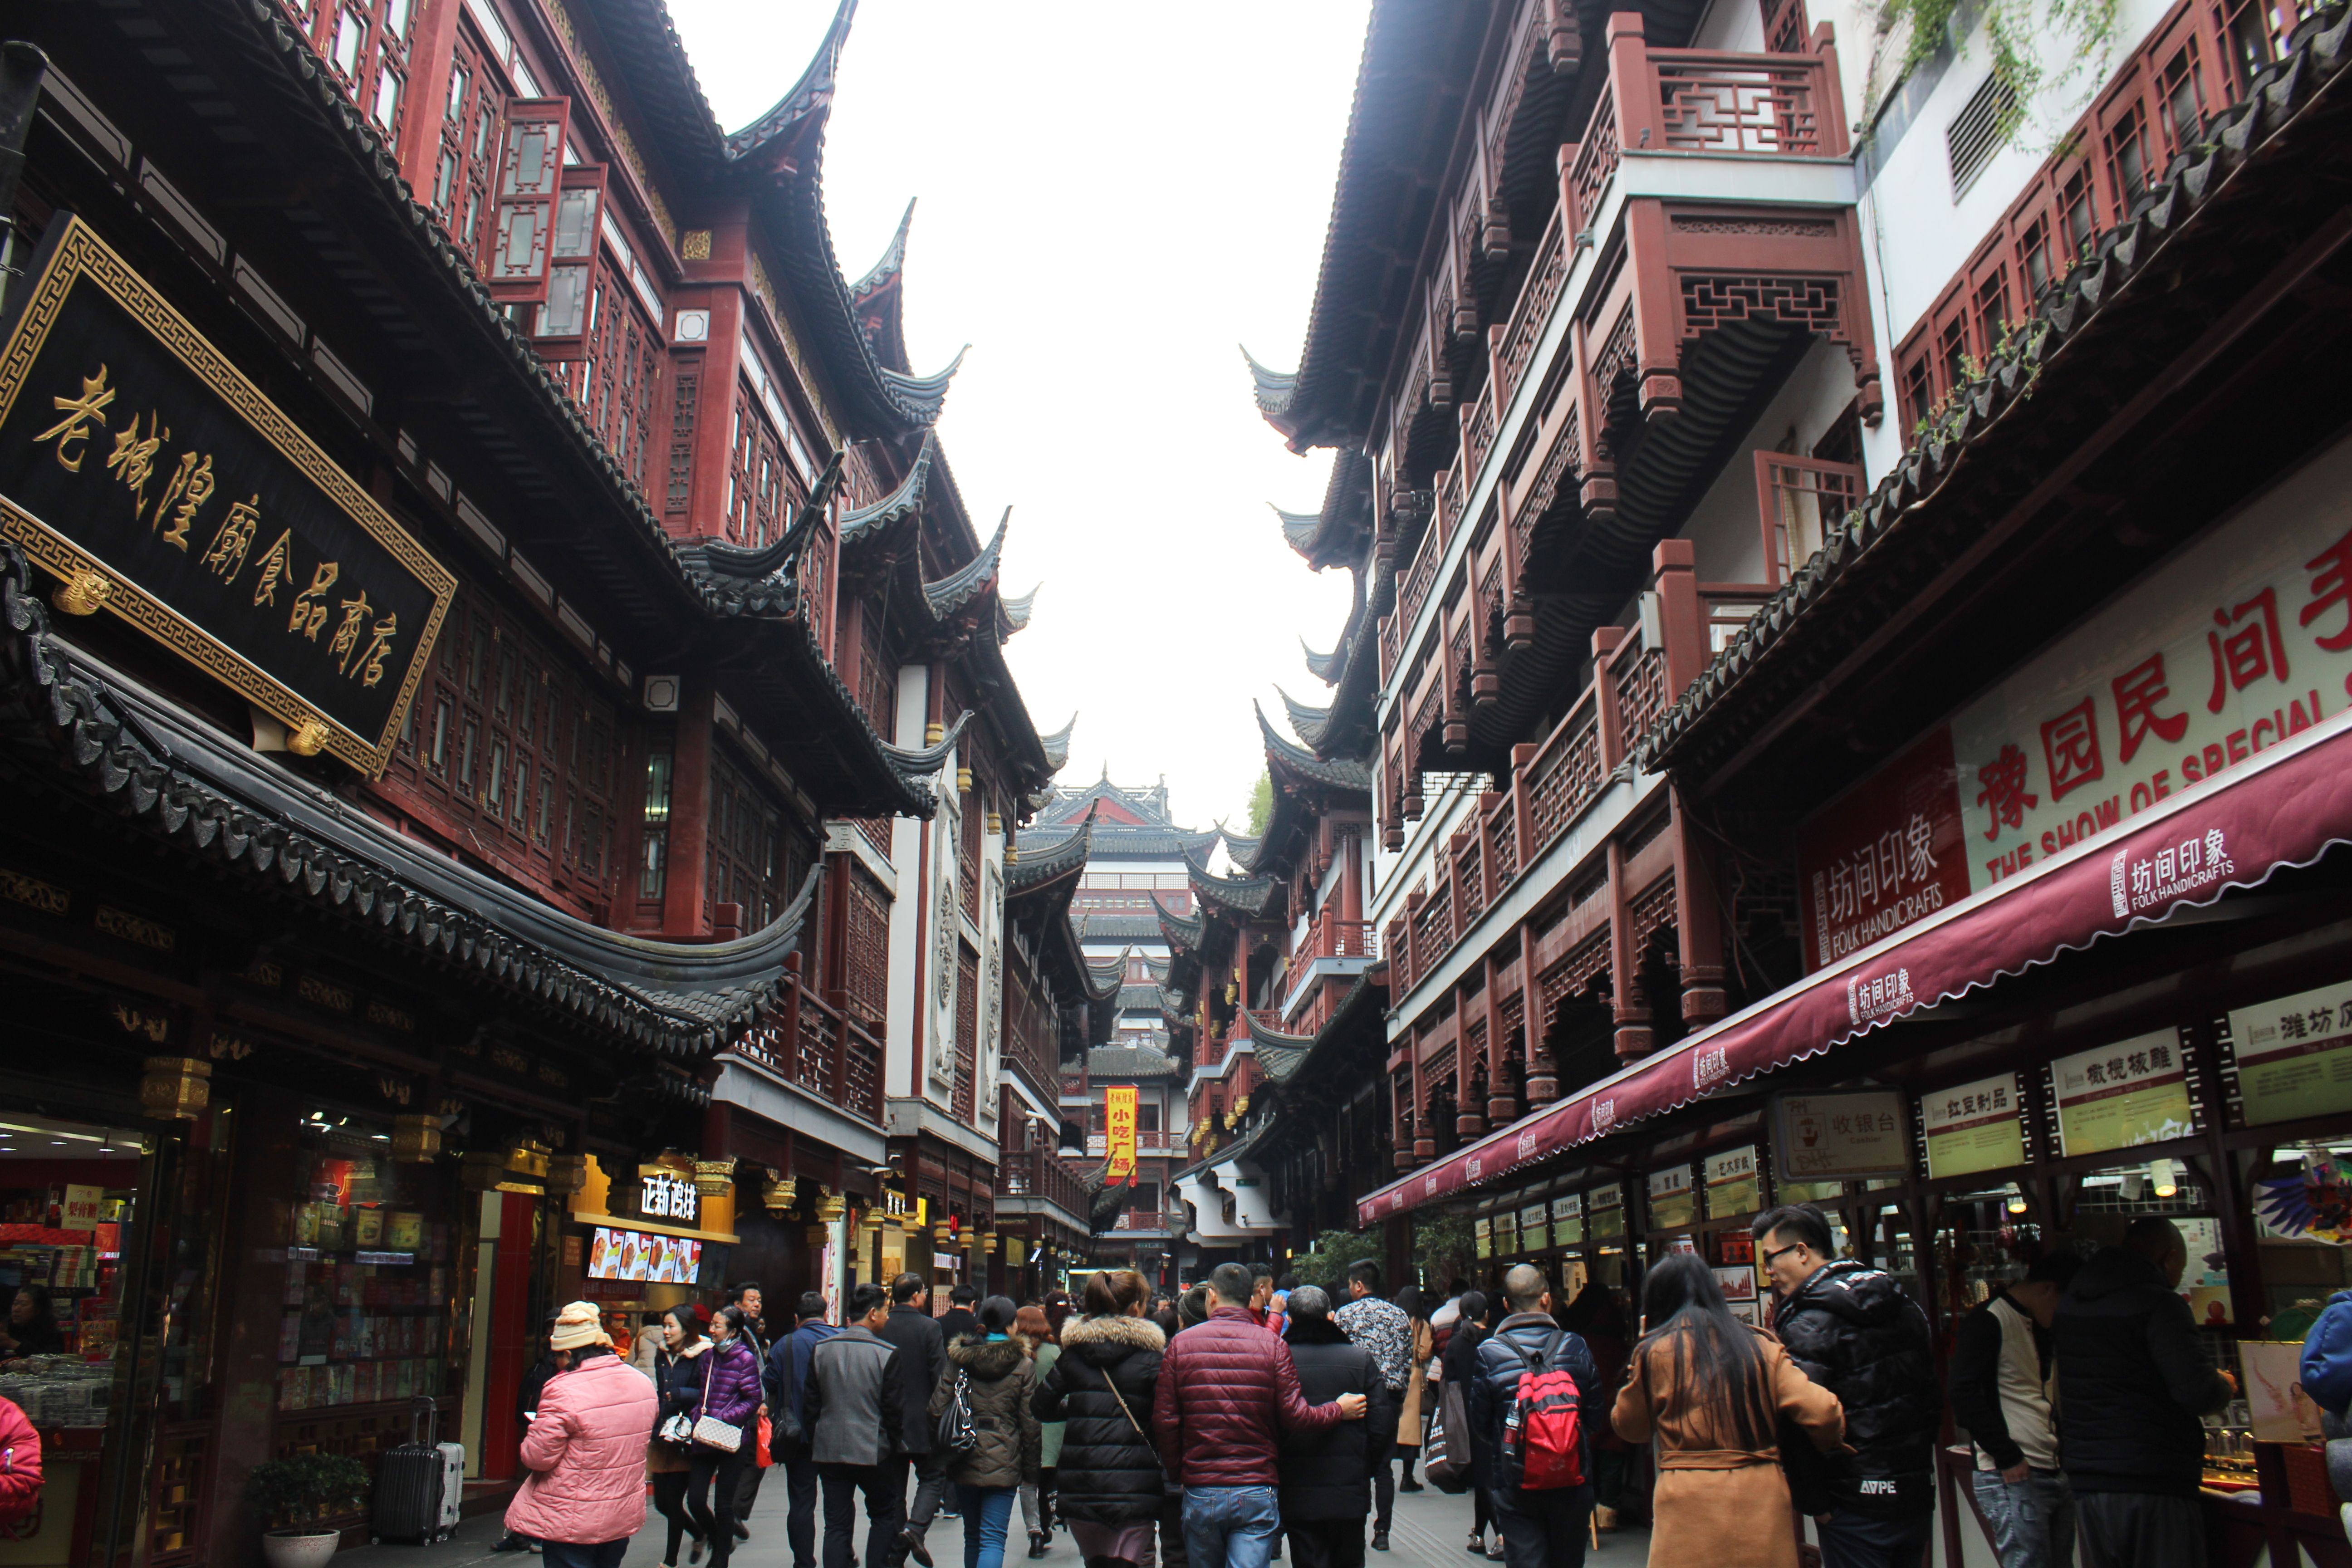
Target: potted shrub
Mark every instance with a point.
(293, 1495)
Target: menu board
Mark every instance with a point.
(1606, 1213)
(1506, 1233)
(2295, 1055)
(1535, 1226)
(636, 1255)
(1482, 1228)
(1973, 1127)
(1731, 1183)
(2134, 1091)
(1673, 1203)
(1568, 1220)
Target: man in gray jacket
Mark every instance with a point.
(857, 1399)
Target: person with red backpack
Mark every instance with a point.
(1535, 1389)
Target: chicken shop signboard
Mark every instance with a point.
(2241, 640)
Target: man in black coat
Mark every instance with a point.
(1545, 1528)
(1326, 1489)
(923, 1352)
(1852, 1330)
(2132, 1381)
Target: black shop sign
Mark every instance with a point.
(156, 483)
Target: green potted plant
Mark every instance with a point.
(293, 1495)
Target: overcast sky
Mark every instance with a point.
(1111, 198)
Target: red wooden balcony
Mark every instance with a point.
(1040, 1172)
(814, 1046)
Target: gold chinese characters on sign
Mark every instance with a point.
(142, 470)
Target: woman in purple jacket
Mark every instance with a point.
(720, 1380)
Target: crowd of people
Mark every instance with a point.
(1249, 1414)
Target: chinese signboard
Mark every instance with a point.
(1673, 1202)
(2134, 1091)
(80, 1211)
(1891, 853)
(1731, 1187)
(1973, 1127)
(1506, 1233)
(1119, 1124)
(1484, 1230)
(140, 468)
(1606, 1206)
(666, 1194)
(1840, 1135)
(1535, 1226)
(2295, 1055)
(2240, 641)
(1567, 1222)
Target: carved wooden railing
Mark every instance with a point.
(1563, 775)
(813, 1045)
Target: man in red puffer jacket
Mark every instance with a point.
(1227, 1389)
(20, 1463)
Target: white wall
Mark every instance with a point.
(1725, 526)
(907, 909)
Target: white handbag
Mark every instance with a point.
(708, 1430)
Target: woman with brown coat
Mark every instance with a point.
(1712, 1392)
(1412, 1414)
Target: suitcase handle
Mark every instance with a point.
(425, 1418)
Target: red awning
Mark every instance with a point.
(2281, 808)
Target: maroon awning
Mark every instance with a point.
(2283, 807)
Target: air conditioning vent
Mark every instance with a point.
(1978, 130)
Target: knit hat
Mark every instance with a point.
(577, 1327)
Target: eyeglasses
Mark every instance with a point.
(1782, 1252)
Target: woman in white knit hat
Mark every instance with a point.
(586, 1493)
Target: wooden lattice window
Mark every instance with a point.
(756, 474)
(365, 46)
(878, 674)
(744, 853)
(684, 386)
(472, 130)
(866, 933)
(967, 1040)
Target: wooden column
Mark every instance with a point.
(432, 46)
(714, 425)
(1698, 915)
(689, 815)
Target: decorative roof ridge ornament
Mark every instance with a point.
(931, 758)
(1179, 931)
(1326, 667)
(1337, 772)
(723, 558)
(1017, 611)
(1274, 388)
(812, 95)
(863, 522)
(893, 262)
(1299, 528)
(1308, 722)
(969, 581)
(1057, 744)
(931, 391)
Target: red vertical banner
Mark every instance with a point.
(1118, 1120)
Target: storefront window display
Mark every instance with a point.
(67, 1191)
(367, 1299)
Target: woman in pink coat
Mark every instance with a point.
(20, 1463)
(586, 1451)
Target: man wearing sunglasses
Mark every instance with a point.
(1854, 1332)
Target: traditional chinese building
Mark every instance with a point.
(1928, 818)
(505, 730)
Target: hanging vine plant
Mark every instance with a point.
(2016, 32)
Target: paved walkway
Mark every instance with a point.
(1431, 1531)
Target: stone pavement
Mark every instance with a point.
(1431, 1531)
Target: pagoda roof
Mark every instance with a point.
(1306, 723)
(1057, 744)
(1334, 533)
(1180, 932)
(1242, 851)
(1325, 667)
(1108, 969)
(968, 581)
(1288, 759)
(213, 798)
(1139, 997)
(878, 298)
(1120, 927)
(1158, 968)
(1017, 611)
(1244, 896)
(872, 519)
(1123, 810)
(1129, 1061)
(1063, 860)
